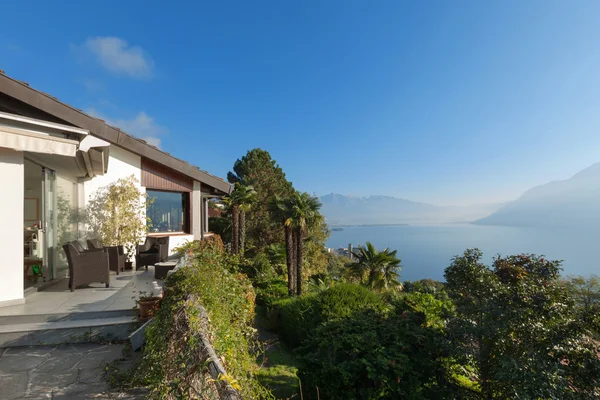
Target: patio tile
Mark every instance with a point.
(61, 363)
(60, 336)
(12, 364)
(111, 332)
(39, 351)
(77, 348)
(91, 375)
(12, 339)
(12, 386)
(101, 356)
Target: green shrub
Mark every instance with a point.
(298, 317)
(374, 355)
(170, 357)
(426, 286)
(269, 291)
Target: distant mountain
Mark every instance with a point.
(574, 202)
(350, 210)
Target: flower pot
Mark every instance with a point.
(148, 306)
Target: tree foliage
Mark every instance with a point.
(259, 170)
(281, 210)
(376, 269)
(305, 233)
(300, 316)
(586, 292)
(374, 355)
(240, 201)
(304, 215)
(517, 325)
(116, 214)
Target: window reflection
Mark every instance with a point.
(168, 211)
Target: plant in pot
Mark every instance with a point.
(116, 214)
(147, 303)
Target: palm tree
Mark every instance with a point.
(281, 209)
(235, 228)
(380, 268)
(240, 201)
(388, 278)
(305, 212)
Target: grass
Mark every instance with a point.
(279, 367)
(279, 374)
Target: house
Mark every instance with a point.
(53, 157)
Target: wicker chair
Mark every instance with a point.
(116, 254)
(78, 246)
(163, 248)
(154, 249)
(86, 267)
(147, 253)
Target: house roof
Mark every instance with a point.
(65, 113)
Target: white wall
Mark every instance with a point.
(11, 235)
(121, 164)
(197, 211)
(179, 240)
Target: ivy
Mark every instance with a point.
(171, 359)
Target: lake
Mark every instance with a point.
(426, 250)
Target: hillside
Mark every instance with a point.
(351, 210)
(574, 202)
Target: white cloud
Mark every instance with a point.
(117, 56)
(93, 85)
(141, 126)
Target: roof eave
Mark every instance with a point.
(97, 127)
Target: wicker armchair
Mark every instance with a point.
(78, 246)
(86, 267)
(154, 249)
(147, 253)
(116, 254)
(163, 248)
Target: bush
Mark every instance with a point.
(195, 248)
(228, 297)
(298, 317)
(374, 355)
(270, 291)
(426, 286)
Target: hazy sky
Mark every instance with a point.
(450, 102)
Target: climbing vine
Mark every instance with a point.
(172, 365)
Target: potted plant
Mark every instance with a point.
(117, 215)
(147, 304)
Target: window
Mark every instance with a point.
(169, 212)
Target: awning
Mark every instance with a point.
(94, 153)
(87, 156)
(24, 140)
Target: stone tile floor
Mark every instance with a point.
(60, 372)
(57, 299)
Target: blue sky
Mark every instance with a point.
(450, 102)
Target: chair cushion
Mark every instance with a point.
(95, 244)
(77, 246)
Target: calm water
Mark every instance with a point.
(426, 250)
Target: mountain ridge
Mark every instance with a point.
(571, 202)
(341, 209)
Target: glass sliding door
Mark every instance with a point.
(49, 224)
(48, 227)
(33, 229)
(67, 222)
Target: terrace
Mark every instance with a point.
(90, 313)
